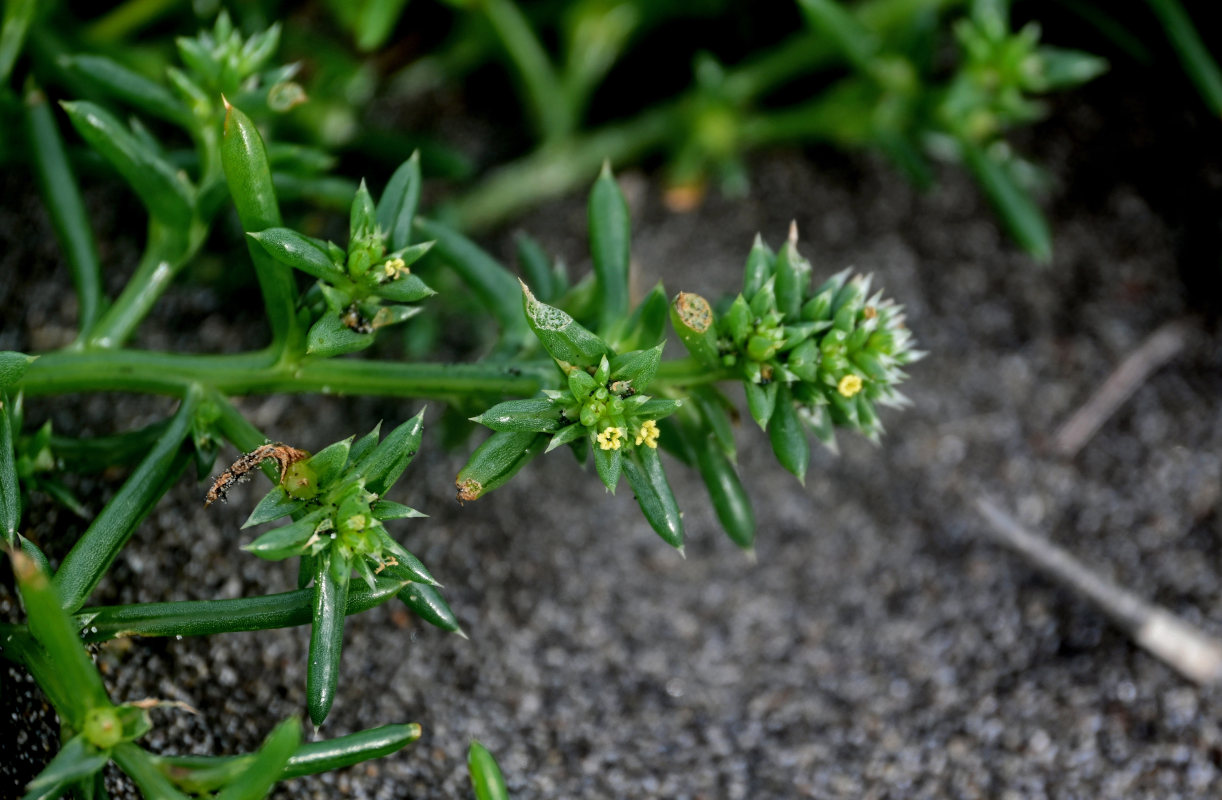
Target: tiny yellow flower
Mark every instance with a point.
(648, 434)
(849, 385)
(395, 268)
(610, 438)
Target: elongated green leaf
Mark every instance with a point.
(643, 468)
(387, 461)
(647, 325)
(608, 463)
(344, 751)
(62, 197)
(537, 414)
(17, 17)
(657, 408)
(409, 567)
(365, 444)
(207, 617)
(761, 402)
(428, 604)
(12, 366)
(331, 337)
(265, 768)
(55, 633)
(330, 461)
(1022, 217)
(162, 188)
(637, 368)
(486, 778)
(610, 238)
(536, 266)
(293, 249)
(98, 546)
(566, 435)
(495, 461)
(759, 267)
(788, 436)
(792, 278)
(730, 500)
(203, 774)
(387, 509)
(492, 284)
(117, 81)
(288, 540)
(10, 492)
(561, 336)
(397, 206)
(142, 769)
(331, 577)
(244, 158)
(75, 761)
(408, 289)
(274, 505)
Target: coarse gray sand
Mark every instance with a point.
(880, 646)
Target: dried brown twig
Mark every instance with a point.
(1187, 649)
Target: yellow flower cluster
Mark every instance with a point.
(849, 385)
(648, 434)
(395, 268)
(611, 438)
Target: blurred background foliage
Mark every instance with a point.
(511, 103)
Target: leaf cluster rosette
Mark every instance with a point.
(809, 359)
(604, 410)
(369, 285)
(336, 499)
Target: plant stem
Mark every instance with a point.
(99, 545)
(555, 169)
(1194, 56)
(150, 372)
(207, 617)
(167, 250)
(549, 104)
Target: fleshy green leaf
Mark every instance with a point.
(643, 468)
(311, 256)
(332, 574)
(637, 367)
(608, 463)
(561, 336)
(428, 604)
(397, 206)
(610, 238)
(761, 402)
(537, 414)
(387, 461)
(331, 337)
(76, 760)
(387, 509)
(274, 505)
(408, 289)
(330, 461)
(486, 779)
(286, 541)
(13, 365)
(788, 436)
(264, 769)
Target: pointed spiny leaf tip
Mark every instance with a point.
(793, 232)
(606, 172)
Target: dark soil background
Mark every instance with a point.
(880, 647)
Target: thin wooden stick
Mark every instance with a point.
(1191, 651)
(1158, 348)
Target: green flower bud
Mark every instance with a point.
(103, 728)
